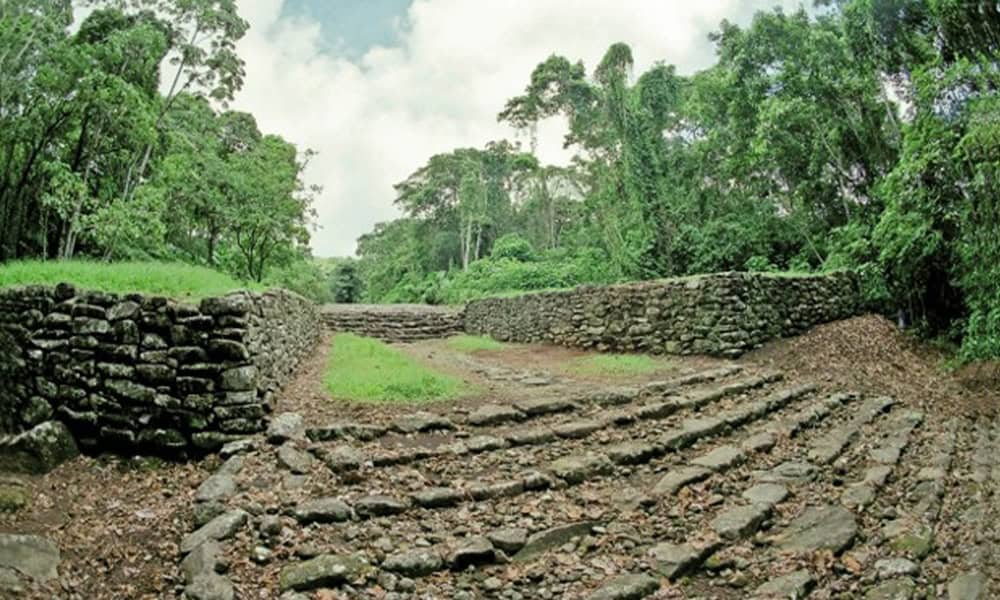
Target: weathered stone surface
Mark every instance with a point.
(484, 443)
(421, 421)
(627, 587)
(740, 521)
(437, 497)
(203, 560)
(819, 528)
(766, 493)
(543, 406)
(322, 510)
(577, 429)
(531, 436)
(552, 538)
(337, 431)
(414, 563)
(675, 480)
(676, 560)
(897, 589)
(720, 458)
(887, 568)
(220, 528)
(210, 586)
(218, 487)
(30, 555)
(968, 586)
(632, 453)
(670, 315)
(494, 414)
(341, 459)
(792, 472)
(510, 539)
(284, 427)
(579, 468)
(326, 570)
(476, 550)
(295, 460)
(378, 506)
(38, 450)
(794, 586)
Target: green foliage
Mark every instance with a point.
(367, 370)
(346, 285)
(172, 280)
(98, 163)
(861, 136)
(513, 247)
(305, 277)
(472, 343)
(618, 365)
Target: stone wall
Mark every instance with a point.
(723, 314)
(146, 373)
(394, 322)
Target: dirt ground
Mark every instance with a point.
(118, 522)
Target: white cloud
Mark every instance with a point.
(377, 119)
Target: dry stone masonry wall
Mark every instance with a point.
(725, 314)
(394, 322)
(146, 373)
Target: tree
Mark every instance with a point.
(346, 284)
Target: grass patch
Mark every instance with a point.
(173, 280)
(617, 365)
(471, 343)
(368, 370)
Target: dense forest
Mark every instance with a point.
(97, 161)
(861, 134)
(857, 134)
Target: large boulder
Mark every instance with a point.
(38, 450)
(26, 555)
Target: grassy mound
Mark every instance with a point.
(617, 365)
(471, 343)
(173, 280)
(368, 370)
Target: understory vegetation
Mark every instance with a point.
(618, 365)
(367, 370)
(860, 134)
(172, 280)
(96, 161)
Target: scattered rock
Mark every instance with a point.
(552, 538)
(740, 521)
(220, 528)
(720, 458)
(579, 468)
(421, 421)
(766, 493)
(494, 414)
(295, 460)
(472, 551)
(31, 555)
(414, 563)
(967, 586)
(378, 506)
(38, 450)
(825, 528)
(676, 560)
(510, 540)
(796, 584)
(322, 510)
(210, 586)
(437, 497)
(897, 589)
(284, 427)
(627, 587)
(675, 480)
(326, 570)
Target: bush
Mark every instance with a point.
(514, 247)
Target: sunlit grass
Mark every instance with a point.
(173, 280)
(617, 365)
(471, 343)
(367, 370)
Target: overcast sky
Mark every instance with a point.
(378, 86)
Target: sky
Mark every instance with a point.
(378, 86)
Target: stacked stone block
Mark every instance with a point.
(724, 314)
(146, 373)
(394, 322)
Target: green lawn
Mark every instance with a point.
(173, 280)
(471, 343)
(368, 370)
(620, 365)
